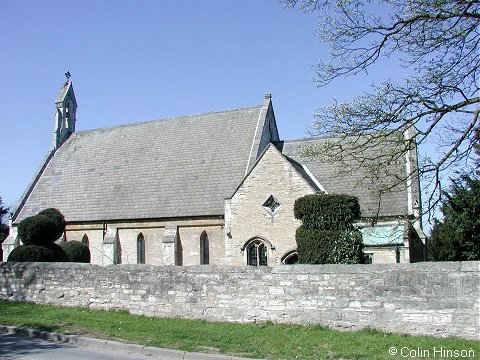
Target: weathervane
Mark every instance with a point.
(68, 76)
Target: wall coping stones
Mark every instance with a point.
(466, 266)
(470, 266)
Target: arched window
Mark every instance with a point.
(85, 240)
(140, 249)
(59, 119)
(290, 258)
(257, 253)
(204, 249)
(68, 114)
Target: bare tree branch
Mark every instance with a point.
(439, 42)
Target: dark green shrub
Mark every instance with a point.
(327, 211)
(76, 251)
(57, 218)
(328, 234)
(457, 236)
(38, 253)
(41, 229)
(32, 253)
(60, 255)
(35, 230)
(317, 246)
(349, 248)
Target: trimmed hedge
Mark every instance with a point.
(38, 234)
(327, 211)
(316, 246)
(42, 229)
(328, 235)
(35, 230)
(58, 221)
(60, 255)
(36, 253)
(76, 251)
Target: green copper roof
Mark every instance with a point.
(383, 235)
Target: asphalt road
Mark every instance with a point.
(18, 347)
(15, 347)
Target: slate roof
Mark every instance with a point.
(392, 204)
(302, 171)
(181, 167)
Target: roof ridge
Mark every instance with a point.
(170, 119)
(320, 137)
(307, 139)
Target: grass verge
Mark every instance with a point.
(267, 341)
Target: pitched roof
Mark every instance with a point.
(309, 177)
(177, 167)
(355, 182)
(296, 166)
(65, 89)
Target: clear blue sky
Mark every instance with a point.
(134, 61)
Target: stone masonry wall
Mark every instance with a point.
(246, 218)
(189, 232)
(439, 299)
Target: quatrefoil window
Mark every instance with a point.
(271, 205)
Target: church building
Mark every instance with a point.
(214, 188)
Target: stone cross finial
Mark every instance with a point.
(68, 75)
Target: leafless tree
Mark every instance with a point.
(438, 42)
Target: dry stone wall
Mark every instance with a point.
(439, 299)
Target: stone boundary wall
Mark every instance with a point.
(439, 299)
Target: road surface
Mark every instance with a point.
(17, 347)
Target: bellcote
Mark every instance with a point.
(65, 115)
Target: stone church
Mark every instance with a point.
(214, 188)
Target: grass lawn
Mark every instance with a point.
(268, 341)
